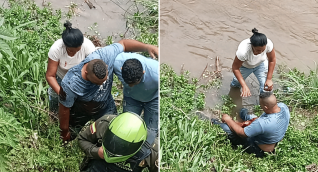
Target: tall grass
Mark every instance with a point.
(299, 89)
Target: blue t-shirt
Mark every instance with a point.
(76, 88)
(269, 128)
(147, 89)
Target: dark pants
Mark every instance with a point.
(82, 112)
(96, 165)
(100, 165)
(248, 143)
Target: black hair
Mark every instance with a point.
(99, 69)
(132, 71)
(72, 37)
(265, 94)
(258, 39)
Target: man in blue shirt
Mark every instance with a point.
(88, 85)
(139, 76)
(263, 134)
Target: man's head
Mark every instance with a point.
(124, 138)
(132, 72)
(267, 101)
(96, 71)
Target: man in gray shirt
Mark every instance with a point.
(264, 132)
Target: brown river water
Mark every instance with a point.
(107, 19)
(193, 33)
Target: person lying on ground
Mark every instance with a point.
(64, 54)
(119, 143)
(251, 57)
(263, 134)
(139, 76)
(88, 86)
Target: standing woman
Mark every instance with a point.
(251, 57)
(64, 54)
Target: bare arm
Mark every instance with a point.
(51, 75)
(136, 46)
(271, 65)
(238, 129)
(64, 118)
(236, 70)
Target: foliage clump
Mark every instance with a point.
(299, 89)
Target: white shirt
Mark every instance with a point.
(245, 53)
(58, 53)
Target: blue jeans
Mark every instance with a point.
(244, 116)
(150, 111)
(248, 142)
(259, 71)
(54, 97)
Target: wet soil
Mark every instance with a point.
(193, 33)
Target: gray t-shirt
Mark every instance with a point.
(269, 128)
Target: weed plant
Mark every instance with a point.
(299, 89)
(30, 140)
(190, 144)
(145, 22)
(23, 91)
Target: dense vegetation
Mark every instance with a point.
(190, 144)
(29, 140)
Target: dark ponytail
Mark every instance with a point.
(258, 39)
(72, 37)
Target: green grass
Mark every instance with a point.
(30, 141)
(299, 89)
(190, 144)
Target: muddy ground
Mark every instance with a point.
(193, 33)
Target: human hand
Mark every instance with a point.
(62, 94)
(268, 86)
(101, 152)
(245, 92)
(153, 51)
(226, 117)
(66, 135)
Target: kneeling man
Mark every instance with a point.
(264, 132)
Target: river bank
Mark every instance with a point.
(189, 143)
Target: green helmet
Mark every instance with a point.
(126, 134)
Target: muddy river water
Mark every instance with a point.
(193, 33)
(108, 18)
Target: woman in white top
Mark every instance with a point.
(64, 54)
(251, 57)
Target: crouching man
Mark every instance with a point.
(263, 134)
(139, 76)
(119, 144)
